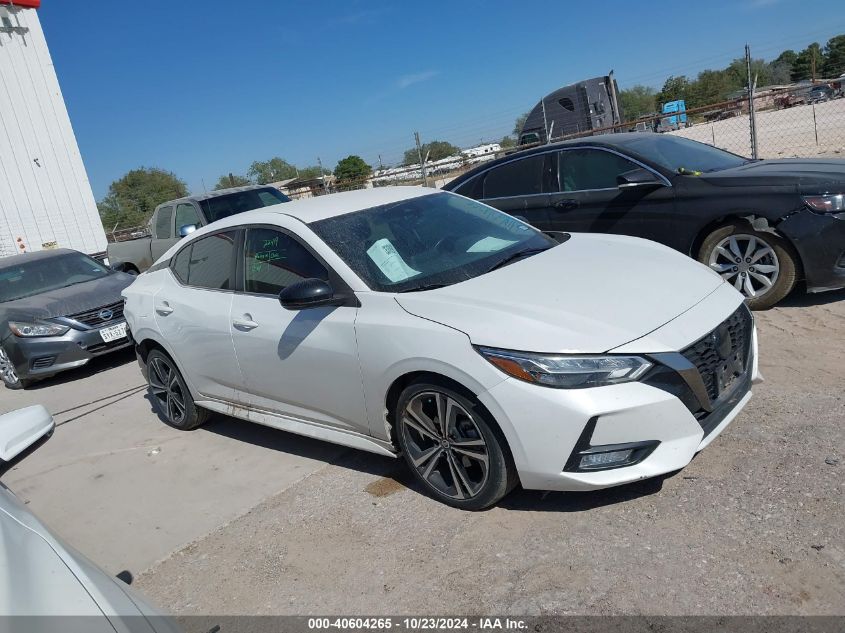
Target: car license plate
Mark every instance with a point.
(113, 332)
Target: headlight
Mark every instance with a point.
(826, 204)
(567, 372)
(21, 328)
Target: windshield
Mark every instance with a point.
(221, 207)
(433, 240)
(681, 154)
(42, 275)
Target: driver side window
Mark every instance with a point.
(275, 260)
(583, 169)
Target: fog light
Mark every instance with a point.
(601, 460)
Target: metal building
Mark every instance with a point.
(45, 197)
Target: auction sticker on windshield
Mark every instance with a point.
(113, 332)
(390, 262)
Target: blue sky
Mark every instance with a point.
(205, 87)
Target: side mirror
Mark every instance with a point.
(638, 178)
(21, 430)
(187, 229)
(309, 293)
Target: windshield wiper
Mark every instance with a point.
(514, 256)
(424, 287)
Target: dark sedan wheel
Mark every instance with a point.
(451, 448)
(170, 394)
(761, 266)
(8, 374)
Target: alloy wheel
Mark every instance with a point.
(445, 445)
(167, 389)
(7, 369)
(748, 262)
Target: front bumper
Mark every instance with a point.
(548, 429)
(820, 241)
(41, 357)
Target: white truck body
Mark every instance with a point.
(45, 197)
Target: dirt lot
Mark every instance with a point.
(752, 526)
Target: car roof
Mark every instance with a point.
(23, 258)
(328, 206)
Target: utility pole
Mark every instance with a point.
(380, 165)
(322, 175)
(422, 162)
(752, 119)
(813, 65)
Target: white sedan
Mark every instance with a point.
(403, 320)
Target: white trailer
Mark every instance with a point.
(45, 197)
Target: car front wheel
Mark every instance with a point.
(762, 266)
(452, 448)
(170, 394)
(8, 374)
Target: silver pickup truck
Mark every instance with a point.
(175, 219)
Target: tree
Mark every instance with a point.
(637, 101)
(434, 150)
(834, 57)
(807, 60)
(520, 123)
(352, 168)
(273, 170)
(231, 180)
(132, 198)
(674, 88)
(313, 171)
(507, 142)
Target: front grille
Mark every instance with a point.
(94, 317)
(721, 356)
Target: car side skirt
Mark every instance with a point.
(300, 427)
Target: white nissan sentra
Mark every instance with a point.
(404, 320)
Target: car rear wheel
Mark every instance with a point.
(170, 394)
(452, 448)
(8, 374)
(762, 266)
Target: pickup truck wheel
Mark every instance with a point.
(170, 394)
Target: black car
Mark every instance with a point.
(764, 225)
(58, 310)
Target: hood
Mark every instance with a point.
(68, 300)
(588, 295)
(822, 175)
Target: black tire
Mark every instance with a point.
(10, 378)
(170, 394)
(782, 256)
(457, 474)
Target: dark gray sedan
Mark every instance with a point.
(58, 310)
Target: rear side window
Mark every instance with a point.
(212, 260)
(522, 177)
(275, 260)
(582, 169)
(164, 223)
(179, 263)
(472, 188)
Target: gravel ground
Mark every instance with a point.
(752, 526)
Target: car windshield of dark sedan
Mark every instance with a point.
(681, 154)
(425, 242)
(42, 275)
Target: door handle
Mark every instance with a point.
(164, 308)
(568, 203)
(245, 323)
